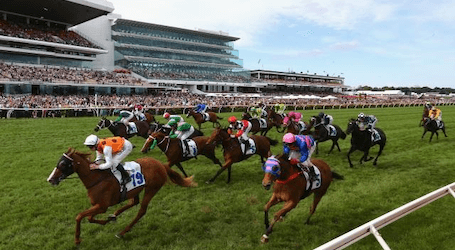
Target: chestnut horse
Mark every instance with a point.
(276, 120)
(199, 118)
(104, 190)
(290, 186)
(295, 128)
(232, 150)
(172, 147)
(256, 124)
(149, 118)
(361, 140)
(119, 129)
(321, 133)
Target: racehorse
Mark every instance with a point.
(321, 133)
(232, 151)
(362, 140)
(276, 120)
(256, 124)
(432, 126)
(295, 128)
(104, 190)
(199, 118)
(172, 147)
(119, 129)
(290, 186)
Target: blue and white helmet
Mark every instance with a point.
(361, 116)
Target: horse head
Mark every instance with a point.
(246, 116)
(352, 126)
(156, 138)
(272, 170)
(101, 124)
(67, 165)
(219, 134)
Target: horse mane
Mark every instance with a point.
(86, 156)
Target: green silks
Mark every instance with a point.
(153, 144)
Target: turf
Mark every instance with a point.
(35, 215)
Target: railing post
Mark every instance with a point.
(379, 238)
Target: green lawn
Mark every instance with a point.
(35, 215)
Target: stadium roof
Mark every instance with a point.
(70, 12)
(217, 35)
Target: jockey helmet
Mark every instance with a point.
(138, 107)
(361, 115)
(232, 119)
(433, 108)
(166, 115)
(321, 114)
(289, 138)
(91, 140)
(253, 109)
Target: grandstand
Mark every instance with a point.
(101, 53)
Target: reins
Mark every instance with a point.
(290, 178)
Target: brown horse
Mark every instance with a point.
(104, 189)
(119, 129)
(232, 151)
(173, 149)
(256, 124)
(199, 118)
(149, 118)
(296, 128)
(276, 120)
(290, 187)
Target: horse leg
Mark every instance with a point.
(181, 169)
(268, 230)
(444, 131)
(333, 145)
(229, 174)
(317, 147)
(288, 206)
(424, 132)
(226, 165)
(365, 156)
(338, 146)
(132, 202)
(212, 157)
(149, 193)
(94, 210)
(381, 147)
(349, 158)
(317, 198)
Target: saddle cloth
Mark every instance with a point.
(332, 130)
(375, 136)
(134, 170)
(132, 128)
(251, 150)
(302, 126)
(317, 183)
(205, 117)
(262, 123)
(191, 146)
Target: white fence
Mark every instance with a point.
(373, 226)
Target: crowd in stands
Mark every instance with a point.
(38, 30)
(179, 99)
(15, 72)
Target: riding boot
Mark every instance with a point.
(188, 153)
(247, 146)
(125, 176)
(312, 174)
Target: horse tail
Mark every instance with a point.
(342, 134)
(221, 118)
(272, 141)
(335, 175)
(178, 179)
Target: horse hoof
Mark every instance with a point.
(119, 236)
(112, 217)
(264, 239)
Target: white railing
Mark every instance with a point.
(373, 226)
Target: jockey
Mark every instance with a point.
(201, 108)
(295, 116)
(428, 105)
(299, 149)
(325, 119)
(170, 118)
(180, 130)
(125, 116)
(243, 127)
(367, 121)
(138, 112)
(114, 150)
(280, 108)
(255, 112)
(435, 114)
(262, 110)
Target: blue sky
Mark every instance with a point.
(375, 43)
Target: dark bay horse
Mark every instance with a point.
(296, 128)
(256, 124)
(321, 133)
(200, 119)
(119, 129)
(362, 140)
(104, 190)
(276, 120)
(149, 118)
(432, 126)
(290, 187)
(173, 149)
(232, 150)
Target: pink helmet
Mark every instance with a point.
(166, 115)
(289, 138)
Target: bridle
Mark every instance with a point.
(103, 124)
(164, 138)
